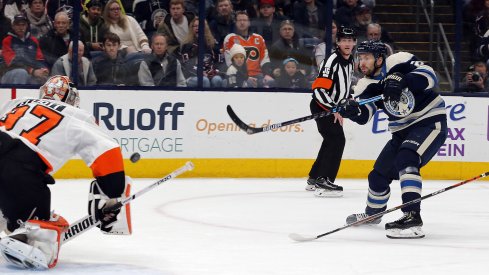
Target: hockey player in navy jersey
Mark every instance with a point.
(417, 121)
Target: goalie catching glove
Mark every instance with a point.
(113, 222)
(393, 86)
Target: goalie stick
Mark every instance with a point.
(303, 238)
(86, 223)
(253, 130)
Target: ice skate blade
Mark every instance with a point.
(320, 192)
(409, 233)
(310, 187)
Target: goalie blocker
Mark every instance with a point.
(115, 222)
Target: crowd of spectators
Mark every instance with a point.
(247, 43)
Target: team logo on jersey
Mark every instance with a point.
(252, 53)
(402, 108)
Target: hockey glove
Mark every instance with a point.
(393, 86)
(349, 108)
(97, 202)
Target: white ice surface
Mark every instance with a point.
(240, 226)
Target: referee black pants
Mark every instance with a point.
(329, 156)
(24, 192)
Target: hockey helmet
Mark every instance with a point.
(60, 88)
(375, 47)
(346, 32)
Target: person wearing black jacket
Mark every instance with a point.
(309, 17)
(165, 68)
(289, 46)
(110, 67)
(55, 43)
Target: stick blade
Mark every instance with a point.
(245, 127)
(301, 238)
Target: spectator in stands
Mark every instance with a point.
(55, 43)
(150, 14)
(55, 6)
(291, 76)
(127, 6)
(14, 7)
(40, 23)
(482, 34)
(268, 24)
(86, 74)
(288, 46)
(92, 27)
(193, 7)
(237, 73)
(113, 68)
(22, 54)
(476, 79)
(5, 28)
(224, 21)
(189, 57)
(176, 25)
(126, 27)
(165, 68)
(320, 49)
(257, 60)
(472, 16)
(376, 32)
(309, 17)
(345, 15)
(245, 5)
(362, 17)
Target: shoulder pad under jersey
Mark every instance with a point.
(362, 85)
(401, 62)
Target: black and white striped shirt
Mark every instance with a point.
(340, 71)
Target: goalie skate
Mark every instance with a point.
(325, 188)
(407, 227)
(22, 255)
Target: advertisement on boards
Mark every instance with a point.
(185, 124)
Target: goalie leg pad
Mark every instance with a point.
(97, 200)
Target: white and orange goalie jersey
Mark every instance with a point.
(58, 131)
(256, 51)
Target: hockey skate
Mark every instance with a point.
(35, 244)
(311, 184)
(407, 227)
(356, 217)
(325, 188)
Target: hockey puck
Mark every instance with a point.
(135, 157)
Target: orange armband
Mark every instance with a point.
(322, 82)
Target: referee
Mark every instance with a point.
(330, 87)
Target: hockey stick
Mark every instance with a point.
(302, 238)
(84, 224)
(253, 130)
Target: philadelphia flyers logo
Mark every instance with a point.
(252, 53)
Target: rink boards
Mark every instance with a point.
(170, 127)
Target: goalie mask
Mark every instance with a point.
(60, 88)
